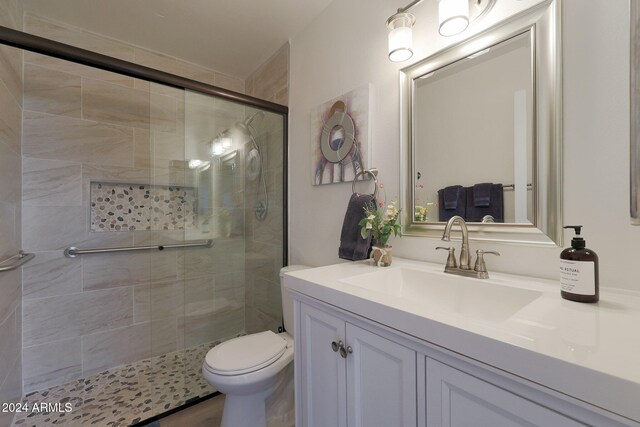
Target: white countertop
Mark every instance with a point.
(588, 351)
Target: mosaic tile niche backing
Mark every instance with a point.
(132, 207)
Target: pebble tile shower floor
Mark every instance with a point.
(124, 395)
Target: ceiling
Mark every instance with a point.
(231, 36)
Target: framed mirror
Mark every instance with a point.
(481, 133)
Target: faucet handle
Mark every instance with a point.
(480, 266)
(451, 259)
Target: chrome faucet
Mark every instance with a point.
(464, 268)
(465, 259)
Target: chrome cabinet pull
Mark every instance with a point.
(344, 352)
(335, 346)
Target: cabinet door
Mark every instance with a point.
(323, 381)
(457, 399)
(381, 381)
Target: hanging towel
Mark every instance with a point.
(451, 201)
(352, 246)
(482, 194)
(485, 199)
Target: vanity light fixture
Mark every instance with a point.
(454, 16)
(400, 36)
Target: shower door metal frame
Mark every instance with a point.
(44, 46)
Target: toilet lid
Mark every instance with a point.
(245, 354)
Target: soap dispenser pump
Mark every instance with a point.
(579, 270)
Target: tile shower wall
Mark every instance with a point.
(264, 238)
(10, 147)
(84, 315)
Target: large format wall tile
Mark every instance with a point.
(158, 301)
(115, 347)
(164, 336)
(50, 364)
(64, 138)
(11, 117)
(49, 228)
(50, 274)
(10, 171)
(77, 69)
(227, 82)
(10, 283)
(51, 183)
(69, 316)
(11, 390)
(199, 294)
(9, 344)
(173, 65)
(9, 229)
(201, 328)
(11, 71)
(128, 269)
(50, 91)
(271, 80)
(67, 34)
(106, 102)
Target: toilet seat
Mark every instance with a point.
(245, 354)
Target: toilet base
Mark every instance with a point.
(246, 410)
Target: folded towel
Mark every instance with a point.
(495, 208)
(352, 246)
(482, 194)
(451, 201)
(451, 195)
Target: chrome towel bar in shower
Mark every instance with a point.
(72, 252)
(15, 261)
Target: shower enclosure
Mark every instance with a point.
(155, 208)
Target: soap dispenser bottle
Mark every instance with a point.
(579, 271)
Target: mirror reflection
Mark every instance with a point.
(473, 133)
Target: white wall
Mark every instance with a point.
(346, 47)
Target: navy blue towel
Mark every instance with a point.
(485, 199)
(482, 194)
(451, 201)
(352, 246)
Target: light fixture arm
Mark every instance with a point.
(409, 6)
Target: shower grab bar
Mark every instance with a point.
(15, 261)
(72, 251)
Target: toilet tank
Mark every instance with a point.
(287, 301)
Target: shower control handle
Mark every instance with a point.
(335, 346)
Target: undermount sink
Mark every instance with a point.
(468, 297)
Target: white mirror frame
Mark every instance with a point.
(543, 20)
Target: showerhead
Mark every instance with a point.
(259, 115)
(246, 125)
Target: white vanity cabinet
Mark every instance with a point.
(351, 377)
(355, 372)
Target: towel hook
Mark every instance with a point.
(373, 173)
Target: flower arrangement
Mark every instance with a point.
(420, 211)
(380, 221)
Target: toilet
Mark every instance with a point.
(248, 369)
